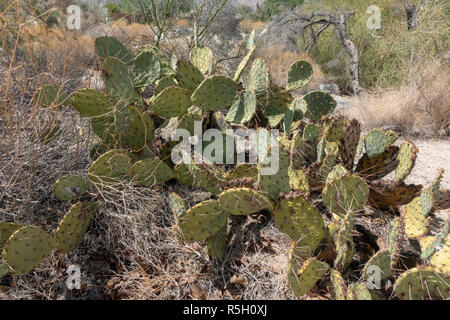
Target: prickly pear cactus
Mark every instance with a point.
(215, 93)
(299, 75)
(243, 108)
(70, 187)
(243, 201)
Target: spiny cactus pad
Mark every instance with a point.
(302, 222)
(441, 259)
(346, 194)
(301, 281)
(406, 160)
(243, 64)
(26, 248)
(298, 180)
(202, 59)
(146, 69)
(277, 181)
(337, 172)
(318, 104)
(343, 240)
(338, 285)
(217, 244)
(188, 76)
(243, 201)
(163, 83)
(243, 108)
(358, 291)
(134, 128)
(376, 142)
(215, 93)
(422, 283)
(382, 260)
(74, 225)
(299, 75)
(151, 172)
(51, 96)
(311, 132)
(258, 77)
(171, 102)
(118, 81)
(6, 230)
(70, 187)
(415, 222)
(385, 194)
(349, 143)
(110, 47)
(243, 170)
(378, 166)
(110, 166)
(203, 221)
(91, 103)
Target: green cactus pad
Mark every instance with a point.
(311, 132)
(243, 108)
(301, 281)
(70, 187)
(202, 59)
(279, 98)
(244, 170)
(166, 66)
(146, 69)
(337, 172)
(346, 194)
(348, 145)
(394, 235)
(243, 64)
(183, 175)
(4, 270)
(163, 83)
(26, 248)
(318, 104)
(302, 222)
(376, 143)
(274, 115)
(215, 93)
(243, 201)
(338, 285)
(74, 225)
(299, 75)
(343, 240)
(258, 77)
(188, 76)
(422, 283)
(110, 167)
(203, 221)
(406, 160)
(103, 127)
(110, 47)
(333, 129)
(177, 205)
(382, 260)
(278, 181)
(151, 172)
(171, 102)
(380, 166)
(217, 244)
(91, 103)
(297, 106)
(6, 230)
(51, 96)
(430, 244)
(415, 222)
(118, 81)
(298, 180)
(385, 194)
(133, 128)
(426, 202)
(358, 291)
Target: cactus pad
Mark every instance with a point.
(422, 283)
(375, 143)
(74, 225)
(202, 59)
(298, 180)
(203, 221)
(278, 181)
(118, 81)
(110, 166)
(151, 172)
(70, 187)
(146, 69)
(6, 230)
(243, 64)
(311, 132)
(318, 104)
(414, 220)
(217, 244)
(358, 291)
(26, 248)
(91, 103)
(441, 259)
(214, 93)
(110, 47)
(243, 108)
(337, 172)
(188, 76)
(302, 222)
(244, 170)
(243, 201)
(382, 260)
(346, 194)
(258, 77)
(338, 285)
(163, 83)
(406, 160)
(385, 194)
(349, 143)
(299, 75)
(171, 102)
(50, 96)
(378, 166)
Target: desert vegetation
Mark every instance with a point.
(356, 209)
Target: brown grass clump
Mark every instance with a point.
(183, 23)
(420, 107)
(248, 25)
(279, 60)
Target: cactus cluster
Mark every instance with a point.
(319, 172)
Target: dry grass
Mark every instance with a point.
(279, 60)
(248, 25)
(183, 23)
(420, 107)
